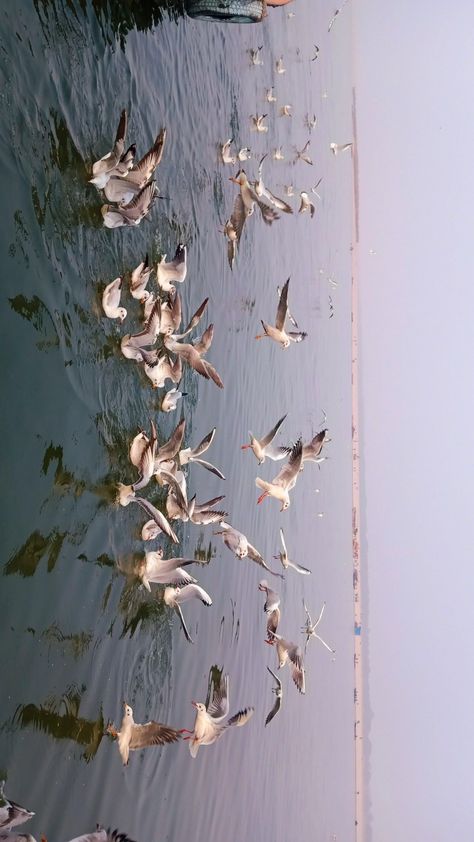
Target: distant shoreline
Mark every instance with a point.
(359, 794)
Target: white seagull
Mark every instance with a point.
(11, 813)
(263, 447)
(175, 270)
(111, 301)
(284, 481)
(102, 170)
(174, 597)
(211, 721)
(309, 628)
(278, 332)
(238, 543)
(286, 561)
(133, 737)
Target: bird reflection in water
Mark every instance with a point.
(59, 718)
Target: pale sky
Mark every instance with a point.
(414, 72)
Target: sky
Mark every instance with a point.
(414, 78)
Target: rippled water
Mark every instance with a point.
(77, 637)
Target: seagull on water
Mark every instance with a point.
(111, 301)
(139, 280)
(339, 147)
(255, 59)
(263, 447)
(103, 169)
(284, 481)
(11, 813)
(270, 96)
(133, 737)
(132, 213)
(175, 270)
(278, 332)
(263, 192)
(306, 204)
(286, 561)
(280, 68)
(278, 154)
(211, 721)
(122, 187)
(250, 199)
(258, 124)
(285, 111)
(227, 157)
(171, 398)
(154, 568)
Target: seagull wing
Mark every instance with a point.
(193, 592)
(157, 516)
(170, 449)
(183, 624)
(219, 706)
(290, 471)
(238, 216)
(204, 444)
(144, 169)
(209, 467)
(282, 307)
(265, 441)
(141, 203)
(276, 707)
(152, 734)
(254, 555)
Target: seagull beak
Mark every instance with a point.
(232, 178)
(194, 704)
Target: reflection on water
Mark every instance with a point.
(75, 644)
(59, 718)
(25, 561)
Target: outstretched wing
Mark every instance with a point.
(271, 435)
(157, 516)
(255, 556)
(152, 734)
(219, 706)
(282, 307)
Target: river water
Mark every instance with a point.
(77, 636)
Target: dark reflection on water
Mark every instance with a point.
(59, 718)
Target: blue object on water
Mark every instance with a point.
(357, 628)
(233, 11)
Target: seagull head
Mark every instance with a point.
(199, 706)
(263, 585)
(127, 710)
(122, 313)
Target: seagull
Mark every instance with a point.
(315, 188)
(111, 301)
(144, 454)
(226, 156)
(286, 561)
(278, 690)
(336, 13)
(306, 204)
(312, 450)
(189, 454)
(192, 356)
(301, 154)
(132, 345)
(175, 596)
(102, 170)
(152, 511)
(162, 370)
(288, 651)
(11, 836)
(143, 171)
(170, 400)
(249, 199)
(289, 190)
(339, 147)
(244, 153)
(279, 66)
(257, 123)
(288, 314)
(309, 628)
(99, 835)
(310, 122)
(285, 111)
(278, 154)
(262, 191)
(316, 53)
(139, 279)
(272, 601)
(122, 189)
(11, 814)
(270, 96)
(134, 212)
(211, 721)
(285, 480)
(255, 56)
(238, 543)
(133, 737)
(263, 447)
(277, 332)
(154, 568)
(175, 270)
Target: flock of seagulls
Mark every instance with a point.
(158, 348)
